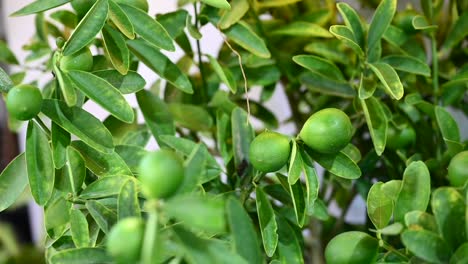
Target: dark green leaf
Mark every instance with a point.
(426, 245)
(458, 32)
(317, 82)
(129, 83)
(103, 216)
(60, 141)
(244, 36)
(352, 21)
(13, 181)
(449, 129)
(81, 256)
(173, 22)
(408, 64)
(379, 206)
(376, 122)
(266, 218)
(295, 164)
(320, 65)
(88, 28)
(224, 74)
(461, 255)
(190, 116)
(338, 164)
(116, 49)
(289, 249)
(132, 155)
(73, 173)
(194, 249)
(345, 34)
(121, 20)
(242, 135)
(299, 202)
(79, 228)
(105, 187)
(39, 6)
(127, 203)
(6, 55)
(380, 21)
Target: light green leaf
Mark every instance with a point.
(302, 29)
(13, 181)
(60, 141)
(295, 164)
(73, 173)
(338, 164)
(345, 34)
(320, 65)
(79, 228)
(289, 248)
(5, 82)
(458, 32)
(104, 217)
(449, 129)
(275, 3)
(407, 64)
(86, 31)
(417, 220)
(389, 78)
(127, 201)
(379, 206)
(242, 135)
(116, 49)
(426, 245)
(39, 6)
(224, 74)
(420, 23)
(104, 94)
(121, 20)
(461, 255)
(129, 83)
(352, 21)
(40, 164)
(376, 122)
(79, 123)
(190, 116)
(238, 9)
(311, 180)
(317, 82)
(148, 28)
(380, 21)
(244, 36)
(243, 232)
(160, 64)
(105, 187)
(102, 164)
(132, 155)
(66, 86)
(392, 230)
(174, 22)
(266, 218)
(299, 200)
(223, 4)
(415, 190)
(81, 256)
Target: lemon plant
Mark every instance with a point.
(372, 90)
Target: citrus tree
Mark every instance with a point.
(371, 98)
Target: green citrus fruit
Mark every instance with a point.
(399, 139)
(351, 248)
(458, 169)
(79, 61)
(125, 240)
(269, 151)
(327, 131)
(161, 173)
(141, 4)
(24, 101)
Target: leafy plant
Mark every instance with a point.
(369, 105)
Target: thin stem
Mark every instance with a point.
(199, 54)
(151, 231)
(43, 126)
(435, 69)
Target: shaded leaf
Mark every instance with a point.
(426, 245)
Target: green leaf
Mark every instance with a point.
(79, 123)
(60, 141)
(417, 220)
(352, 21)
(389, 78)
(345, 34)
(160, 64)
(392, 188)
(449, 129)
(299, 201)
(275, 3)
(157, 116)
(317, 82)
(311, 180)
(407, 64)
(104, 217)
(81, 256)
(420, 23)
(194, 249)
(206, 213)
(116, 49)
(415, 190)
(127, 201)
(392, 230)
(66, 86)
(79, 228)
(333, 50)
(338, 164)
(13, 181)
(295, 164)
(319, 65)
(174, 22)
(448, 206)
(461, 255)
(238, 9)
(40, 164)
(88, 28)
(223, 4)
(426, 245)
(104, 187)
(243, 232)
(193, 117)
(67, 18)
(39, 6)
(73, 173)
(242, 135)
(244, 36)
(132, 155)
(376, 122)
(6, 55)
(57, 215)
(148, 28)
(129, 83)
(458, 32)
(266, 218)
(104, 94)
(222, 135)
(302, 29)
(380, 21)
(5, 82)
(121, 20)
(224, 74)
(289, 249)
(319, 210)
(379, 206)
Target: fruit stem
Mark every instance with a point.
(149, 241)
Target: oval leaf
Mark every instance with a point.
(127, 201)
(389, 78)
(339, 164)
(407, 64)
(376, 122)
(104, 187)
(319, 65)
(116, 49)
(380, 21)
(79, 228)
(244, 36)
(217, 3)
(104, 217)
(379, 206)
(39, 6)
(13, 181)
(131, 82)
(121, 20)
(82, 256)
(266, 218)
(426, 245)
(238, 9)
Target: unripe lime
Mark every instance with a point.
(327, 131)
(79, 61)
(458, 169)
(125, 240)
(24, 101)
(141, 4)
(161, 173)
(269, 151)
(351, 248)
(399, 139)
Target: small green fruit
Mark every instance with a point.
(269, 151)
(352, 248)
(125, 240)
(458, 169)
(161, 174)
(327, 131)
(79, 61)
(399, 139)
(24, 101)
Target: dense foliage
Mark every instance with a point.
(371, 98)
